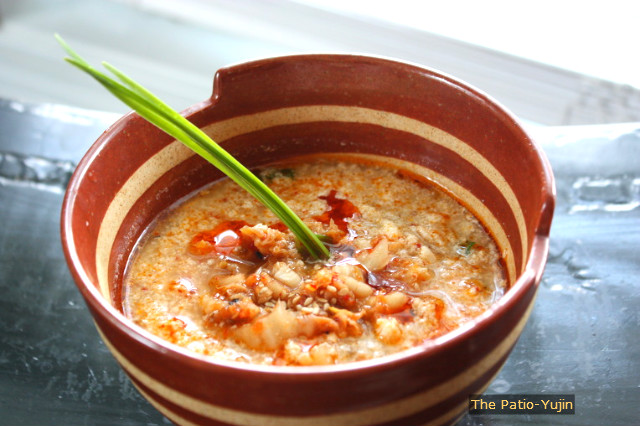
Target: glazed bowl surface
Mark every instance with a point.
(274, 109)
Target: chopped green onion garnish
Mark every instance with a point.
(271, 174)
(465, 248)
(161, 115)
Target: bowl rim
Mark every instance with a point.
(530, 276)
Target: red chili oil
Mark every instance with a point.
(222, 239)
(339, 211)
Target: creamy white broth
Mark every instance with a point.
(221, 276)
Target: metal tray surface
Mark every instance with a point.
(582, 337)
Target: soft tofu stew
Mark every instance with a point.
(219, 275)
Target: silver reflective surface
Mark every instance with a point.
(582, 337)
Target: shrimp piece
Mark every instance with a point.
(270, 241)
(237, 311)
(314, 325)
(229, 286)
(274, 329)
(388, 330)
(270, 331)
(283, 273)
(392, 303)
(377, 258)
(320, 354)
(347, 322)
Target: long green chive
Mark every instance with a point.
(161, 115)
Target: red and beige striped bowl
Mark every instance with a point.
(276, 108)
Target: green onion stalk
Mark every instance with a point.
(158, 113)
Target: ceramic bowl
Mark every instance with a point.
(277, 108)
